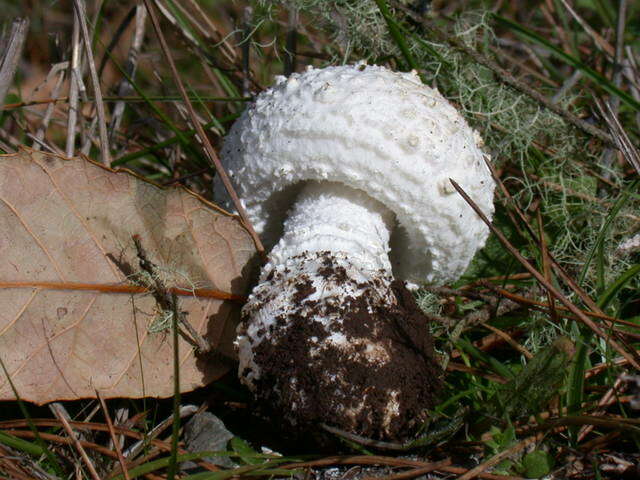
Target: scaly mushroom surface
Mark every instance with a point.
(345, 172)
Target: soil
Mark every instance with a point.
(378, 383)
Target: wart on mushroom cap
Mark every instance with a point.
(359, 158)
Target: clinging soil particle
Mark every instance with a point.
(366, 366)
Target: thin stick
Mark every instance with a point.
(105, 155)
(74, 87)
(218, 38)
(538, 276)
(599, 41)
(122, 288)
(42, 129)
(536, 304)
(496, 459)
(603, 402)
(65, 424)
(608, 155)
(166, 299)
(415, 472)
(150, 436)
(112, 433)
(247, 29)
(128, 98)
(509, 339)
(11, 55)
(290, 58)
(130, 67)
(614, 103)
(210, 151)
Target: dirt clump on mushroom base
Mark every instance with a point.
(366, 365)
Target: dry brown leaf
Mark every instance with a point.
(71, 222)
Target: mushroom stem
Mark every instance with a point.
(331, 217)
(323, 336)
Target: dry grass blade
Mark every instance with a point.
(80, 11)
(75, 81)
(621, 138)
(112, 433)
(390, 461)
(125, 87)
(599, 40)
(38, 138)
(543, 281)
(67, 428)
(211, 153)
(12, 52)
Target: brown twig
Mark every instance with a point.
(543, 281)
(39, 136)
(496, 459)
(166, 299)
(509, 339)
(602, 403)
(391, 461)
(11, 54)
(76, 443)
(414, 472)
(112, 433)
(555, 265)
(559, 310)
(211, 153)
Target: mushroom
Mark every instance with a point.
(346, 172)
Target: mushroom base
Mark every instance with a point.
(365, 365)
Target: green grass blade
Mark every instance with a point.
(575, 391)
(21, 445)
(25, 413)
(244, 451)
(129, 157)
(613, 213)
(396, 34)
(175, 431)
(164, 117)
(495, 365)
(617, 285)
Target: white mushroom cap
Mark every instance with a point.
(372, 129)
